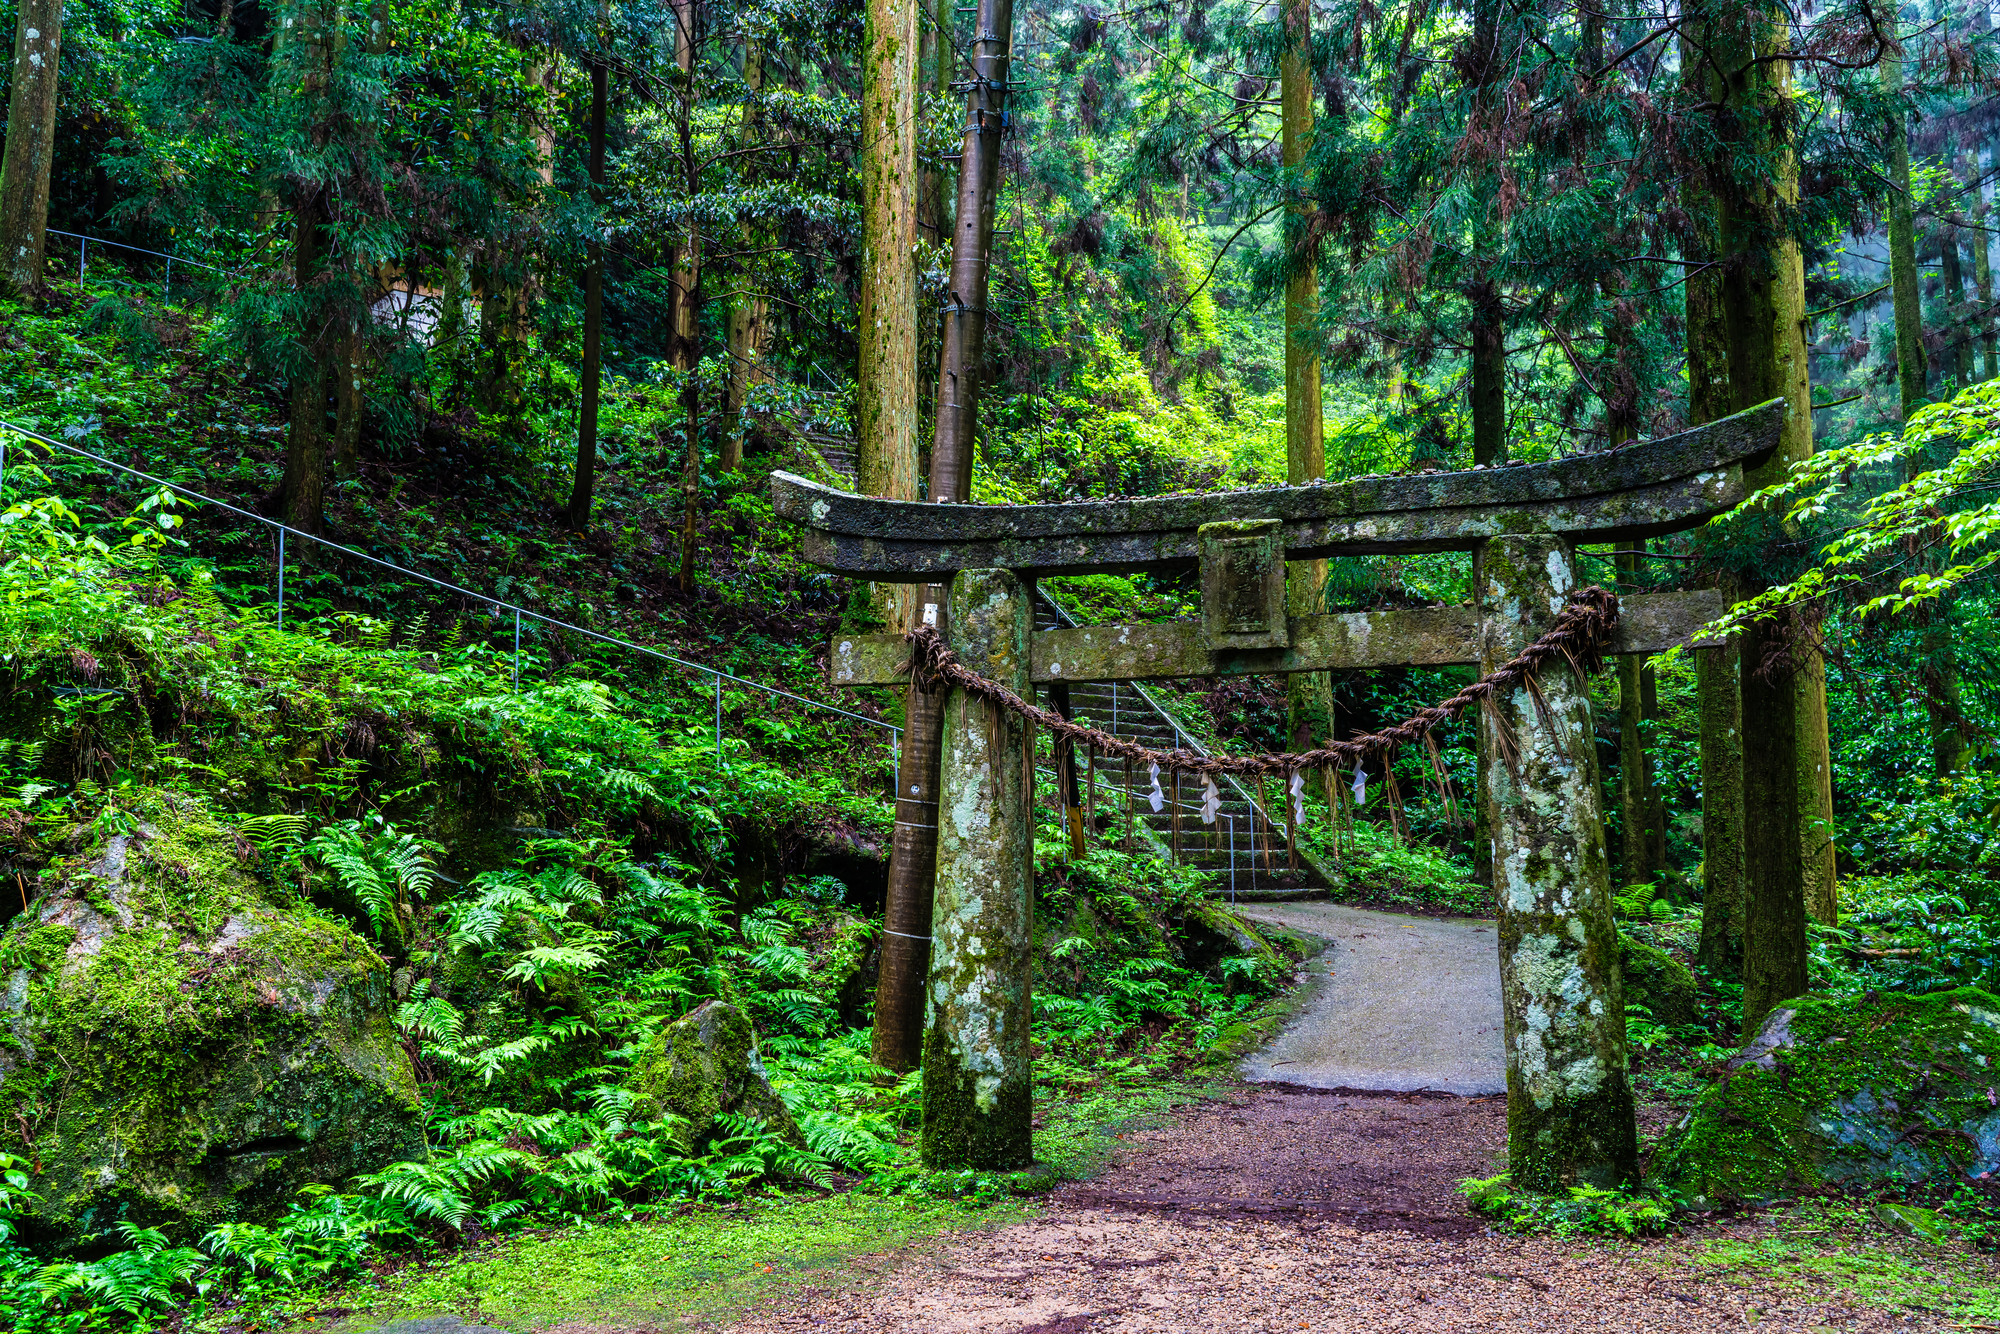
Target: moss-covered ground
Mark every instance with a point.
(709, 1261)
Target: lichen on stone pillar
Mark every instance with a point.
(1569, 1097)
(977, 1078)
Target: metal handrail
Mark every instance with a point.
(520, 613)
(161, 254)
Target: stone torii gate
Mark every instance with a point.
(1568, 1098)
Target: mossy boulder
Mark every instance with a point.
(1210, 933)
(703, 1065)
(1848, 1091)
(1658, 981)
(178, 1050)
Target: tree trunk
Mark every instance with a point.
(1953, 273)
(1788, 861)
(314, 357)
(1308, 695)
(31, 137)
(1721, 948)
(1655, 804)
(885, 382)
(747, 312)
(1718, 695)
(899, 995)
(1489, 374)
(348, 403)
(686, 256)
(304, 486)
(1911, 372)
(687, 286)
(577, 513)
(1982, 277)
(1635, 844)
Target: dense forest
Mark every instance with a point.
(437, 868)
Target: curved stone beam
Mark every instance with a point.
(1642, 490)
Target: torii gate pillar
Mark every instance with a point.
(1569, 1097)
(978, 1085)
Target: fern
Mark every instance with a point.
(133, 1281)
(384, 871)
(275, 833)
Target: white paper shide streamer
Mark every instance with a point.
(1156, 796)
(1211, 800)
(1360, 786)
(1298, 790)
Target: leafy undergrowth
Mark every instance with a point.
(1822, 1249)
(1373, 866)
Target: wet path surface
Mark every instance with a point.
(1397, 1003)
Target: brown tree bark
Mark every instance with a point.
(1308, 695)
(577, 513)
(1721, 706)
(885, 382)
(31, 137)
(899, 993)
(1788, 861)
(1719, 697)
(314, 356)
(747, 313)
(886, 379)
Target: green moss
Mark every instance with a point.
(1848, 1090)
(703, 1065)
(967, 1126)
(185, 1052)
(1657, 980)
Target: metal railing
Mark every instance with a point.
(498, 605)
(166, 286)
(1186, 739)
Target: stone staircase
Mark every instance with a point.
(1242, 852)
(837, 450)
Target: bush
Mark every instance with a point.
(1582, 1211)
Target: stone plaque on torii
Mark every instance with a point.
(1569, 1101)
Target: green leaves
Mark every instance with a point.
(385, 870)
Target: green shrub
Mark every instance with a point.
(1582, 1211)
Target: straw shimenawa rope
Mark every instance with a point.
(1580, 637)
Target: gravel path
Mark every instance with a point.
(1397, 1003)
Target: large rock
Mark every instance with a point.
(1848, 1091)
(703, 1065)
(1657, 980)
(179, 1050)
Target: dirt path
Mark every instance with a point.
(1284, 1209)
(1396, 1003)
(1302, 1203)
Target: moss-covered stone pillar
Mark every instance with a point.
(977, 1081)
(1569, 1102)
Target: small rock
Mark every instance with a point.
(1911, 1221)
(705, 1064)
